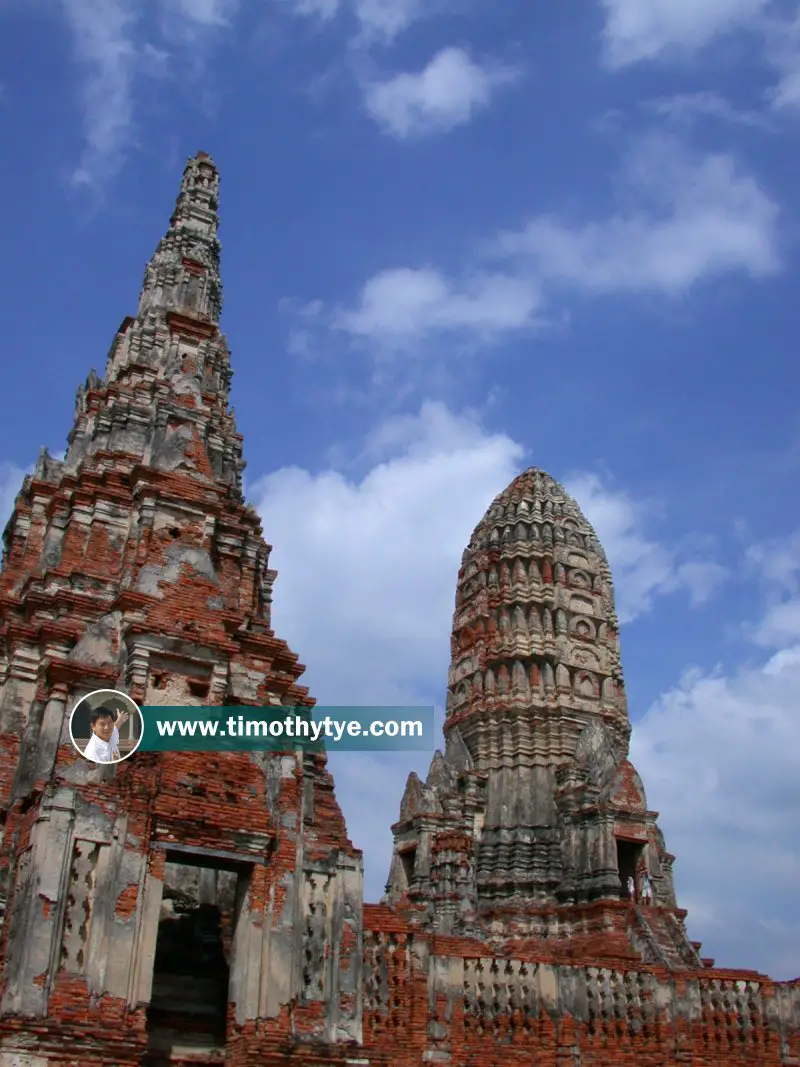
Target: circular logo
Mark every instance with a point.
(106, 726)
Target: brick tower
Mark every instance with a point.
(176, 907)
(534, 822)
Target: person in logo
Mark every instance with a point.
(103, 746)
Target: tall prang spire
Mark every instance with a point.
(164, 399)
(136, 564)
(183, 274)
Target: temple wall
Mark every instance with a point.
(439, 1000)
(87, 894)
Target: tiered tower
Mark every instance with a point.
(182, 906)
(533, 820)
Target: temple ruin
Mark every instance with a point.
(533, 821)
(195, 908)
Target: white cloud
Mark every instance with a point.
(367, 569)
(102, 31)
(11, 478)
(110, 42)
(446, 94)
(685, 219)
(642, 567)
(779, 562)
(386, 18)
(403, 305)
(387, 544)
(783, 52)
(780, 623)
(323, 9)
(202, 12)
(700, 578)
(637, 30)
(719, 758)
(378, 20)
(686, 107)
(617, 522)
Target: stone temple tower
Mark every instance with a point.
(533, 820)
(177, 907)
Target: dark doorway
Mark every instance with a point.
(189, 1002)
(408, 857)
(629, 854)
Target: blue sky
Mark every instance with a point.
(460, 239)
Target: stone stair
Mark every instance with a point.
(666, 939)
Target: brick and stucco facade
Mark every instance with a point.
(208, 909)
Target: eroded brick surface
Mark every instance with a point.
(193, 908)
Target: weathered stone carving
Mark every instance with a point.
(315, 958)
(523, 812)
(78, 910)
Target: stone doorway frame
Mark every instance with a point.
(630, 852)
(189, 856)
